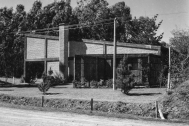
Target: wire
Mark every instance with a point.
(78, 25)
(73, 28)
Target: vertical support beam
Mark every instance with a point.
(114, 56)
(25, 55)
(169, 75)
(45, 67)
(82, 70)
(45, 62)
(105, 54)
(69, 65)
(63, 59)
(74, 67)
(45, 48)
(105, 67)
(104, 49)
(140, 68)
(149, 63)
(97, 69)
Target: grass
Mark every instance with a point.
(176, 102)
(143, 95)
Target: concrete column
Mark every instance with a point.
(63, 59)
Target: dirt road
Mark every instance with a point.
(18, 117)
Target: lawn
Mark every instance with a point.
(140, 95)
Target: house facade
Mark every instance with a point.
(59, 54)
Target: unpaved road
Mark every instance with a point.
(18, 117)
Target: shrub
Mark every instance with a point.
(46, 84)
(119, 83)
(94, 84)
(109, 83)
(76, 83)
(128, 84)
(57, 79)
(79, 84)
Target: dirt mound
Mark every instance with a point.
(176, 104)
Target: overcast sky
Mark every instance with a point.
(174, 13)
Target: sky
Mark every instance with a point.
(174, 13)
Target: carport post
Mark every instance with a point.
(114, 56)
(169, 71)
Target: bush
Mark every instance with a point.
(57, 79)
(79, 84)
(94, 84)
(109, 83)
(128, 84)
(119, 83)
(76, 83)
(46, 84)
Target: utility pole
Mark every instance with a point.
(114, 55)
(169, 72)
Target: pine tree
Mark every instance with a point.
(124, 75)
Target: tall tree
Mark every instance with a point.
(88, 13)
(50, 16)
(179, 56)
(143, 31)
(11, 48)
(180, 40)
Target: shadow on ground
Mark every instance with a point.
(53, 93)
(143, 94)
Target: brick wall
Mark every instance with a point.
(54, 67)
(128, 50)
(35, 48)
(103, 47)
(80, 48)
(53, 48)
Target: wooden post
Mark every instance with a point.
(156, 104)
(91, 104)
(13, 80)
(42, 101)
(114, 56)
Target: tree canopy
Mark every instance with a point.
(141, 30)
(180, 40)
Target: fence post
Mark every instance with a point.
(42, 101)
(91, 104)
(156, 108)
